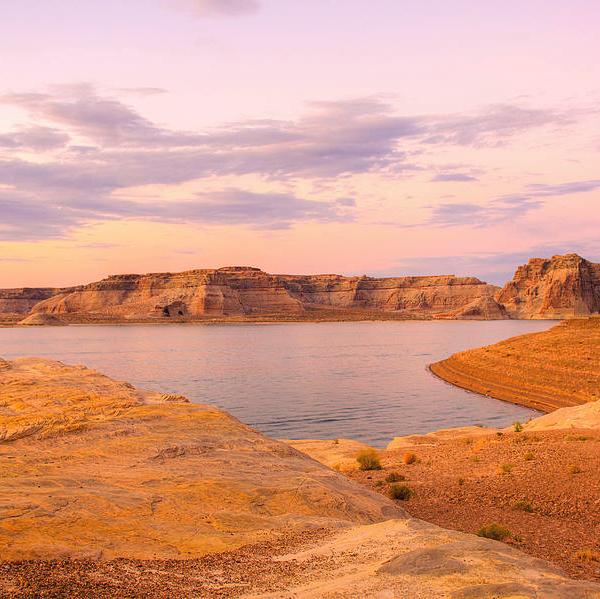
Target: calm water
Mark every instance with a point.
(365, 380)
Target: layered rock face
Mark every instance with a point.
(421, 295)
(561, 287)
(21, 301)
(243, 291)
(195, 293)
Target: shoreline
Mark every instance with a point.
(544, 371)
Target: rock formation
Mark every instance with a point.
(94, 469)
(21, 301)
(242, 291)
(561, 287)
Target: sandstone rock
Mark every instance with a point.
(245, 291)
(41, 319)
(21, 301)
(561, 287)
(94, 467)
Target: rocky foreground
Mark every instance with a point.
(545, 371)
(109, 491)
(560, 287)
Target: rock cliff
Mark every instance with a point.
(244, 291)
(560, 287)
(21, 301)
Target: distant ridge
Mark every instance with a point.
(559, 287)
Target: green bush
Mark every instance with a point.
(368, 459)
(494, 531)
(518, 427)
(401, 492)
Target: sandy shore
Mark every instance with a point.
(545, 371)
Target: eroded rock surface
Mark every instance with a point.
(250, 292)
(93, 467)
(559, 287)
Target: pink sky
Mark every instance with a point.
(382, 137)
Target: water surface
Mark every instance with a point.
(361, 380)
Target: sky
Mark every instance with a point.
(378, 137)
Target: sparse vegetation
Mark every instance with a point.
(461, 481)
(517, 427)
(505, 468)
(587, 555)
(409, 457)
(523, 505)
(529, 456)
(368, 459)
(401, 492)
(394, 477)
(575, 469)
(494, 531)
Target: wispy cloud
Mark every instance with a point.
(24, 217)
(219, 8)
(458, 177)
(34, 138)
(95, 146)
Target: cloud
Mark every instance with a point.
(505, 208)
(491, 126)
(113, 147)
(442, 177)
(219, 8)
(561, 189)
(34, 138)
(26, 217)
(494, 212)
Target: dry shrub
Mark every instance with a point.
(409, 457)
(394, 477)
(494, 531)
(368, 459)
(523, 506)
(505, 468)
(587, 555)
(401, 492)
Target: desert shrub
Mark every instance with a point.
(409, 457)
(505, 468)
(574, 469)
(587, 555)
(368, 459)
(394, 477)
(518, 427)
(528, 456)
(401, 492)
(523, 505)
(494, 531)
(461, 481)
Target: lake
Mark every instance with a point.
(361, 380)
